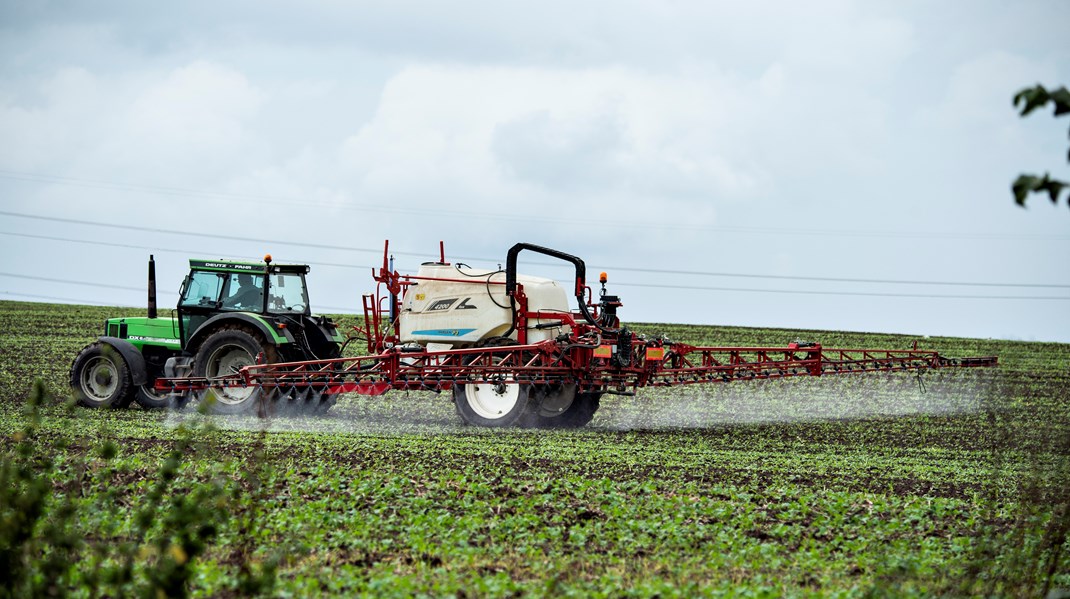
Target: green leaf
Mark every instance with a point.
(1026, 184)
(1031, 98)
(1053, 188)
(1022, 186)
(1061, 98)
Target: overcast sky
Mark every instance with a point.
(824, 165)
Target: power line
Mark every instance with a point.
(157, 249)
(424, 255)
(71, 282)
(688, 287)
(58, 299)
(333, 309)
(289, 202)
(847, 293)
(840, 279)
(379, 208)
(125, 227)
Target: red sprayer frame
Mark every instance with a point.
(596, 355)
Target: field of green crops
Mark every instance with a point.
(857, 485)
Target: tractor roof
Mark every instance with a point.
(224, 265)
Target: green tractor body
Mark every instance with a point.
(229, 315)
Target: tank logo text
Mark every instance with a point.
(441, 305)
(445, 304)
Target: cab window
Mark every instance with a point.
(244, 291)
(287, 294)
(203, 289)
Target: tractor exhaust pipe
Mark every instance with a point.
(152, 287)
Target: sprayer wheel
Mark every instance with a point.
(492, 404)
(495, 404)
(578, 415)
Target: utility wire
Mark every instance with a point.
(258, 199)
(334, 309)
(289, 202)
(158, 249)
(366, 207)
(839, 279)
(58, 299)
(424, 255)
(71, 282)
(76, 221)
(688, 287)
(849, 293)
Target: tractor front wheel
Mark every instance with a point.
(223, 354)
(100, 377)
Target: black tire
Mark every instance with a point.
(578, 415)
(223, 353)
(554, 400)
(147, 397)
(100, 377)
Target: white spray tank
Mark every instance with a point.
(458, 306)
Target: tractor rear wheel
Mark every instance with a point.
(147, 397)
(100, 377)
(224, 353)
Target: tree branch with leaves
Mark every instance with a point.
(1032, 98)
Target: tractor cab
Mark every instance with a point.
(246, 287)
(213, 288)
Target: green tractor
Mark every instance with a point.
(229, 315)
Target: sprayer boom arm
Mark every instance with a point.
(589, 367)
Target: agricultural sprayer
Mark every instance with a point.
(509, 348)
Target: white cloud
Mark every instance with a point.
(563, 136)
(834, 38)
(488, 129)
(202, 104)
(979, 90)
(52, 124)
(195, 116)
(184, 121)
